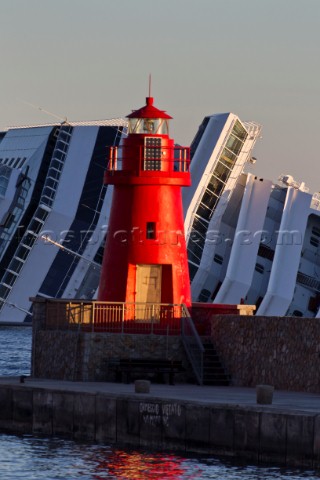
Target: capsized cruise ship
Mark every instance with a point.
(249, 240)
(51, 187)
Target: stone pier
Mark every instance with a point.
(185, 418)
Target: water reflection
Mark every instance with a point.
(120, 464)
(51, 458)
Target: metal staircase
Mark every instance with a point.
(205, 362)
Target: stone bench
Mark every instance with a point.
(129, 367)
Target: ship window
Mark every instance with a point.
(65, 136)
(21, 163)
(41, 214)
(9, 278)
(36, 225)
(29, 239)
(239, 131)
(55, 174)
(62, 146)
(8, 220)
(195, 250)
(193, 259)
(222, 172)
(51, 183)
(200, 227)
(49, 192)
(228, 158)
(196, 237)
(258, 302)
(316, 231)
(4, 291)
(265, 252)
(99, 255)
(23, 252)
(204, 295)
(314, 242)
(15, 163)
(259, 268)
(216, 290)
(5, 173)
(192, 270)
(215, 185)
(204, 212)
(218, 259)
(58, 155)
(57, 164)
(16, 265)
(151, 230)
(209, 198)
(234, 144)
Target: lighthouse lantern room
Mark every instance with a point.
(145, 256)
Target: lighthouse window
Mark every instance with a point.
(152, 153)
(158, 126)
(151, 230)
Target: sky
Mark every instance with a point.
(91, 60)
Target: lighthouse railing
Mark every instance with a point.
(144, 317)
(174, 159)
(192, 345)
(113, 317)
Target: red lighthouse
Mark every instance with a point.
(145, 257)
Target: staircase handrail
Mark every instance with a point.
(192, 344)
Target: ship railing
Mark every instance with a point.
(315, 201)
(192, 345)
(308, 281)
(112, 317)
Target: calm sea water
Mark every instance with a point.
(31, 457)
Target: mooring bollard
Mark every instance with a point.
(264, 394)
(142, 386)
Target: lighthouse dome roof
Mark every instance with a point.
(148, 111)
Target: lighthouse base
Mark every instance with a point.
(69, 342)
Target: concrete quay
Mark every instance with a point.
(185, 418)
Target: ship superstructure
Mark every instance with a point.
(220, 151)
(249, 240)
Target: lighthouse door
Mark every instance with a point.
(148, 283)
